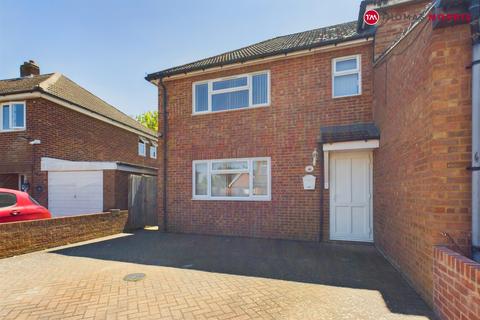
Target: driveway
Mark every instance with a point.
(205, 277)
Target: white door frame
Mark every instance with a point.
(369, 153)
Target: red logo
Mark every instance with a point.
(371, 17)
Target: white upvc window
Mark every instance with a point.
(153, 152)
(346, 76)
(12, 116)
(231, 93)
(232, 179)
(142, 147)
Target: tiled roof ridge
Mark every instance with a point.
(45, 84)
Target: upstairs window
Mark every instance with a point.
(142, 148)
(346, 76)
(153, 152)
(238, 92)
(12, 116)
(232, 179)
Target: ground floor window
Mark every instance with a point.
(232, 179)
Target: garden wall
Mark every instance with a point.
(28, 236)
(456, 285)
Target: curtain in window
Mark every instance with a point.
(201, 182)
(230, 100)
(230, 165)
(201, 97)
(346, 65)
(18, 116)
(260, 88)
(230, 185)
(229, 83)
(346, 85)
(260, 178)
(6, 117)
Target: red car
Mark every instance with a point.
(19, 206)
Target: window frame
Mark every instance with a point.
(210, 171)
(144, 148)
(336, 73)
(10, 116)
(156, 149)
(248, 86)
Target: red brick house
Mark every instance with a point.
(349, 132)
(70, 149)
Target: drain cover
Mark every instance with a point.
(134, 277)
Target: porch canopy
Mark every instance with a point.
(349, 132)
(355, 136)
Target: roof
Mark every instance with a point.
(61, 87)
(350, 132)
(10, 86)
(275, 46)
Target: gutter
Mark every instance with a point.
(367, 36)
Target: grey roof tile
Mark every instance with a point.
(349, 132)
(18, 85)
(59, 86)
(279, 45)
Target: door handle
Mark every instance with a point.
(15, 213)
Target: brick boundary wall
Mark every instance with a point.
(28, 236)
(456, 285)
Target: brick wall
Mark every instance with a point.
(456, 285)
(28, 236)
(393, 21)
(421, 188)
(286, 131)
(68, 135)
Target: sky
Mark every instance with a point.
(108, 46)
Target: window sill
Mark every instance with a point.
(231, 110)
(349, 96)
(231, 199)
(14, 130)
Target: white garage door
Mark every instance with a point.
(75, 192)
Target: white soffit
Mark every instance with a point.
(52, 164)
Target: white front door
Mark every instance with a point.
(351, 196)
(75, 192)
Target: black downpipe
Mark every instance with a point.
(322, 184)
(165, 154)
(474, 10)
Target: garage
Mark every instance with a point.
(85, 187)
(75, 192)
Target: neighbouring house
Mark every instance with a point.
(348, 132)
(69, 149)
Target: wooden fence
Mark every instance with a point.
(142, 202)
